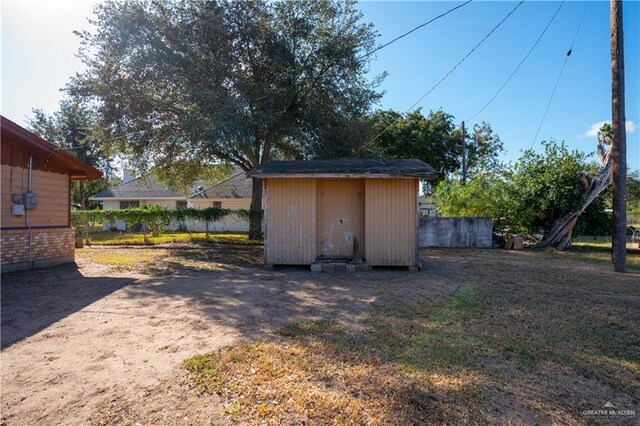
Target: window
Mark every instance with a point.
(129, 204)
(181, 204)
(217, 204)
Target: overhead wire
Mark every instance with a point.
(414, 29)
(447, 74)
(553, 17)
(564, 64)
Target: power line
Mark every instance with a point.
(447, 74)
(564, 64)
(414, 29)
(520, 64)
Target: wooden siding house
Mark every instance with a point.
(36, 202)
(342, 213)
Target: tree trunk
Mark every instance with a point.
(559, 236)
(255, 218)
(83, 200)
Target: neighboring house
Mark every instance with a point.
(349, 214)
(427, 207)
(36, 199)
(233, 193)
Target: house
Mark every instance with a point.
(36, 199)
(427, 206)
(233, 193)
(346, 214)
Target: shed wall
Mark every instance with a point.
(391, 222)
(52, 190)
(290, 221)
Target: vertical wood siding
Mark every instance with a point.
(290, 221)
(390, 221)
(340, 216)
(52, 190)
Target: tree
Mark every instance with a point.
(430, 139)
(553, 189)
(182, 174)
(487, 195)
(236, 82)
(483, 151)
(74, 128)
(633, 190)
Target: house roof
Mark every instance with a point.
(50, 156)
(140, 188)
(148, 187)
(344, 168)
(237, 186)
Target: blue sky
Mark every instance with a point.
(416, 62)
(38, 49)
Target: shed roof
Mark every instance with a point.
(48, 154)
(345, 168)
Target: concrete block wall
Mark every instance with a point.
(49, 246)
(455, 232)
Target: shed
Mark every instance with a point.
(342, 212)
(36, 202)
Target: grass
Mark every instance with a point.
(598, 250)
(125, 238)
(124, 258)
(481, 337)
(308, 328)
(166, 260)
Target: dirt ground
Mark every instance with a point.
(104, 343)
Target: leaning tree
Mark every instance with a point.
(237, 82)
(559, 235)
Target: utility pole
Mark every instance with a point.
(619, 143)
(464, 155)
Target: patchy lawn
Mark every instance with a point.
(480, 336)
(175, 259)
(114, 238)
(526, 338)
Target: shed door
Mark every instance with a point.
(340, 217)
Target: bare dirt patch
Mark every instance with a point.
(481, 336)
(104, 342)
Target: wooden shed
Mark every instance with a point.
(348, 214)
(36, 202)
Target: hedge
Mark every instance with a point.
(155, 217)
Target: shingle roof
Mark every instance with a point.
(140, 188)
(237, 186)
(148, 187)
(355, 168)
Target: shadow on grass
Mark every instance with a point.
(519, 338)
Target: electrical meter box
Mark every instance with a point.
(30, 200)
(17, 209)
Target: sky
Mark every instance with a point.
(39, 47)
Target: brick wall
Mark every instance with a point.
(50, 246)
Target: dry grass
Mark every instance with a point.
(173, 259)
(127, 238)
(523, 338)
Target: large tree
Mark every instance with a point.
(73, 127)
(429, 138)
(559, 234)
(238, 82)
